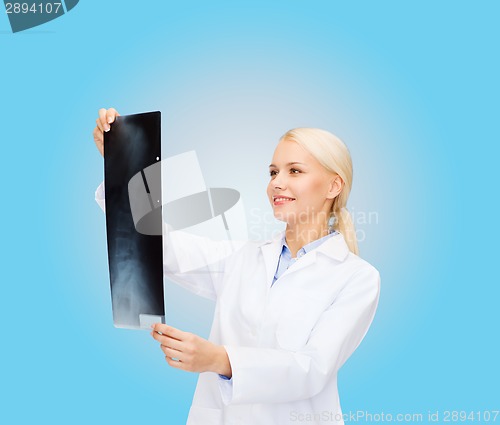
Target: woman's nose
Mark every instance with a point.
(278, 183)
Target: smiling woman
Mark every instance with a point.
(290, 311)
(311, 178)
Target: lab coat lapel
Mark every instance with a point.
(305, 261)
(271, 251)
(335, 248)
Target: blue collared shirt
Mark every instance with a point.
(286, 259)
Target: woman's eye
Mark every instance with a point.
(294, 171)
(273, 173)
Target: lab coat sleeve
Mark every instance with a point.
(197, 263)
(99, 197)
(193, 262)
(266, 375)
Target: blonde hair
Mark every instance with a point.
(333, 154)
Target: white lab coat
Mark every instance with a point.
(285, 343)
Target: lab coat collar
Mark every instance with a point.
(334, 247)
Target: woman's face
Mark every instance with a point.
(300, 190)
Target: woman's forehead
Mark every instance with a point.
(288, 152)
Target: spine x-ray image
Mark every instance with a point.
(135, 252)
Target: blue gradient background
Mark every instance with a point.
(411, 87)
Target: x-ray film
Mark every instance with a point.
(131, 149)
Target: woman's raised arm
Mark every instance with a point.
(194, 262)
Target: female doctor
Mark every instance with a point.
(289, 311)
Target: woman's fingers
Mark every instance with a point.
(193, 353)
(172, 356)
(106, 117)
(170, 352)
(103, 119)
(175, 363)
(111, 114)
(167, 341)
(170, 331)
(99, 124)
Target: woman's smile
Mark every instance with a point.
(281, 200)
(294, 171)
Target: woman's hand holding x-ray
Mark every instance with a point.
(193, 353)
(106, 117)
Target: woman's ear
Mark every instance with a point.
(336, 186)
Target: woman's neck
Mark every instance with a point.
(299, 236)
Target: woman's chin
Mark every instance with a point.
(281, 216)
